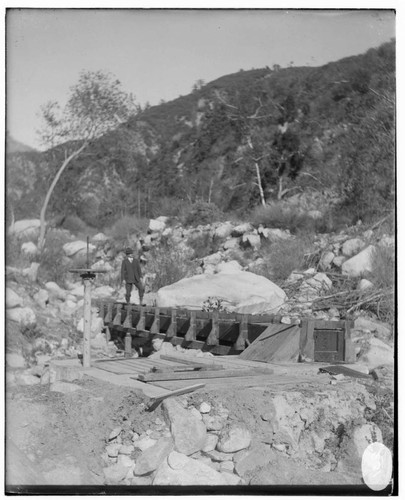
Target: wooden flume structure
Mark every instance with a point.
(216, 332)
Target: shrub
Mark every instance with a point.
(75, 225)
(284, 256)
(123, 229)
(383, 266)
(277, 216)
(171, 207)
(202, 212)
(169, 264)
(52, 265)
(203, 245)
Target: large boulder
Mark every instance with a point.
(55, 290)
(377, 353)
(234, 437)
(13, 299)
(29, 248)
(22, 315)
(151, 458)
(360, 263)
(352, 247)
(75, 248)
(234, 288)
(25, 228)
(180, 470)
(189, 433)
(157, 225)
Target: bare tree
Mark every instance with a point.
(96, 104)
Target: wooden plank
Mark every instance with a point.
(155, 328)
(178, 392)
(192, 330)
(185, 368)
(186, 361)
(320, 324)
(151, 377)
(213, 337)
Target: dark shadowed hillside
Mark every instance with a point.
(328, 129)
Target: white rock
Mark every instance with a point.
(156, 225)
(252, 240)
(224, 230)
(205, 407)
(231, 244)
(99, 237)
(189, 433)
(55, 290)
(29, 248)
(22, 315)
(227, 466)
(377, 353)
(42, 297)
(180, 470)
(74, 248)
(338, 261)
(114, 433)
(13, 299)
(211, 442)
(15, 360)
(387, 241)
(125, 461)
(213, 422)
(78, 291)
(26, 227)
(274, 234)
(234, 437)
(320, 282)
(151, 458)
(235, 288)
(243, 228)
(364, 284)
(360, 263)
(196, 413)
(213, 259)
(230, 267)
(315, 214)
(326, 260)
(382, 329)
(113, 450)
(352, 247)
(145, 443)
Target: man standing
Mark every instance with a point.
(131, 275)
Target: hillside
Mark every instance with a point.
(328, 130)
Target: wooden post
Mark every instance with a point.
(108, 316)
(192, 330)
(128, 318)
(213, 337)
(240, 343)
(155, 328)
(87, 323)
(117, 319)
(172, 330)
(107, 334)
(128, 345)
(141, 322)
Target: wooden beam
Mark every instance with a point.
(128, 317)
(151, 377)
(172, 330)
(117, 318)
(240, 343)
(192, 330)
(108, 318)
(154, 403)
(213, 337)
(186, 368)
(213, 366)
(141, 322)
(155, 328)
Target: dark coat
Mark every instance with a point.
(131, 272)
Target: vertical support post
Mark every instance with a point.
(172, 330)
(213, 337)
(117, 319)
(240, 343)
(128, 345)
(155, 328)
(141, 322)
(307, 343)
(192, 330)
(108, 316)
(107, 334)
(349, 351)
(87, 323)
(128, 318)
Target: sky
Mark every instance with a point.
(160, 54)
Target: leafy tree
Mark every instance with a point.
(96, 105)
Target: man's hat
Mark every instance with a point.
(129, 251)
